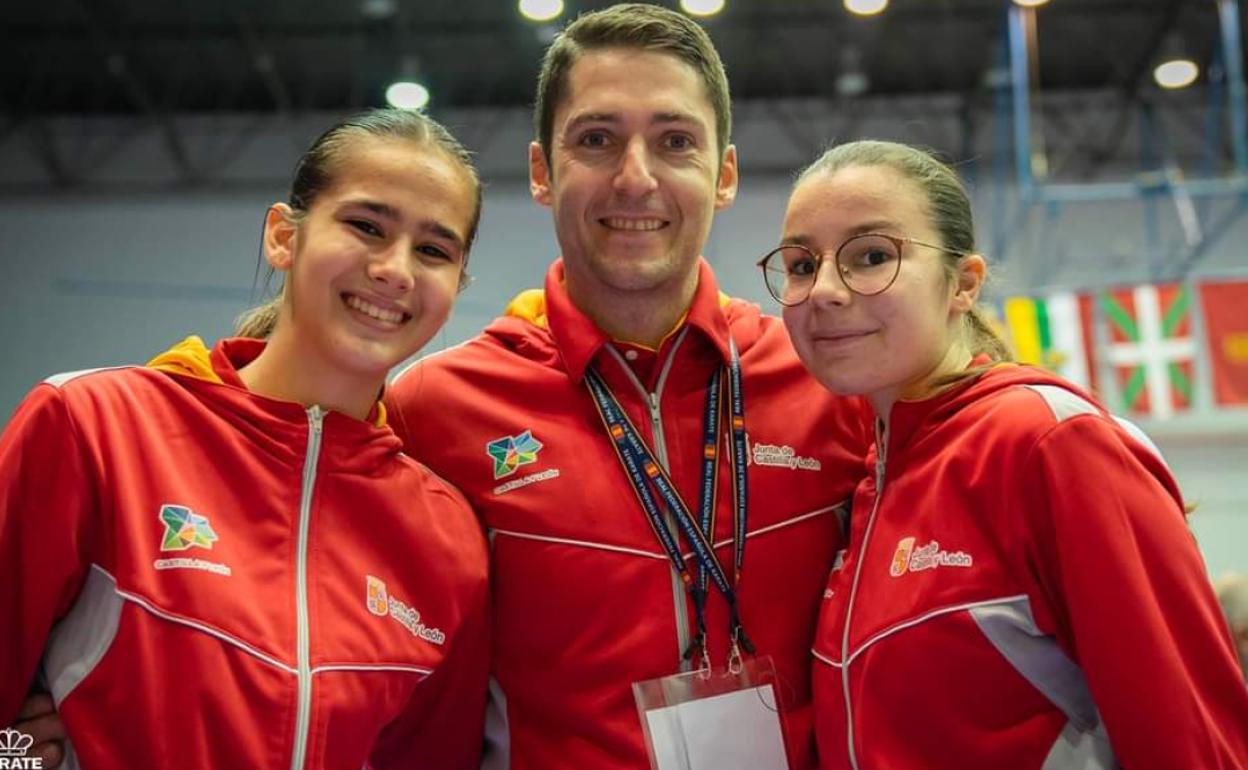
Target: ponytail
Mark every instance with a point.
(985, 339)
(258, 322)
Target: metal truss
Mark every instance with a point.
(1163, 140)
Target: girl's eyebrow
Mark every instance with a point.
(884, 226)
(798, 240)
(442, 231)
(384, 210)
(390, 213)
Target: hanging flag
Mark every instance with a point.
(1226, 333)
(1151, 347)
(1054, 332)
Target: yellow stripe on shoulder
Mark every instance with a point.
(529, 305)
(189, 357)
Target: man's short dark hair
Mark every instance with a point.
(631, 25)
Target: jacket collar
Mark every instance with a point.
(579, 339)
(192, 358)
(230, 355)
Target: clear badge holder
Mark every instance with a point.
(718, 718)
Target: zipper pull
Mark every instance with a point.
(316, 417)
(656, 422)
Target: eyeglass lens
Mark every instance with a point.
(867, 264)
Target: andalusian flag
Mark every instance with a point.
(1151, 347)
(1054, 332)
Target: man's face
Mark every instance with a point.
(634, 176)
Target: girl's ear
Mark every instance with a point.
(968, 281)
(280, 230)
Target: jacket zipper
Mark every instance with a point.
(316, 415)
(881, 443)
(679, 595)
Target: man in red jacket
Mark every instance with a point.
(633, 158)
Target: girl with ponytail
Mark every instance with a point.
(223, 559)
(1020, 588)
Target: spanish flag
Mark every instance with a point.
(1226, 334)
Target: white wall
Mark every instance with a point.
(1212, 469)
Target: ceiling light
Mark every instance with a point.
(1175, 69)
(865, 7)
(541, 10)
(378, 9)
(1176, 73)
(407, 95)
(851, 80)
(702, 7)
(1031, 3)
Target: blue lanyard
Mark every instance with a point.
(648, 477)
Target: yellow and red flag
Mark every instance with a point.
(1226, 334)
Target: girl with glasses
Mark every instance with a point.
(1020, 589)
(222, 558)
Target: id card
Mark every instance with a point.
(713, 720)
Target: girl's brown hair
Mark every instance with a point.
(315, 171)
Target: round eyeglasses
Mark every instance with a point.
(867, 264)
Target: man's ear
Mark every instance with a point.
(539, 174)
(968, 281)
(726, 186)
(280, 230)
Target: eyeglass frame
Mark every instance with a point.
(897, 240)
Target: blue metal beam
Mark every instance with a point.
(1001, 154)
(1139, 190)
(1021, 92)
(1213, 233)
(1233, 60)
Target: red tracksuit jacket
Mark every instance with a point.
(219, 580)
(1021, 591)
(585, 600)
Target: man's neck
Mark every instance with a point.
(640, 317)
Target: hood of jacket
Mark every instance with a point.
(281, 427)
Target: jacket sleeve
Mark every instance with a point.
(1132, 601)
(443, 725)
(402, 401)
(46, 509)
